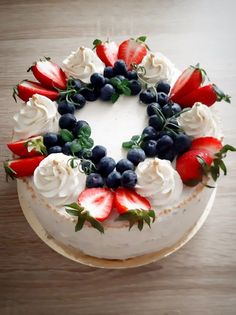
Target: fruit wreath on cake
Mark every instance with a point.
(117, 140)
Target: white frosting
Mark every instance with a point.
(199, 121)
(55, 180)
(158, 181)
(158, 68)
(82, 63)
(39, 115)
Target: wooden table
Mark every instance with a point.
(201, 277)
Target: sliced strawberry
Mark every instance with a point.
(27, 148)
(97, 201)
(106, 51)
(190, 168)
(132, 51)
(27, 89)
(22, 167)
(187, 82)
(210, 144)
(49, 74)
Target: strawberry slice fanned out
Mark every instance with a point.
(132, 51)
(133, 208)
(27, 89)
(106, 51)
(27, 148)
(49, 74)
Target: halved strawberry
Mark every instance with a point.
(210, 144)
(49, 74)
(106, 51)
(187, 82)
(27, 89)
(132, 51)
(207, 95)
(27, 148)
(22, 167)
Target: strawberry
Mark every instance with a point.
(133, 208)
(132, 51)
(106, 51)
(207, 95)
(49, 74)
(187, 82)
(27, 89)
(27, 148)
(210, 144)
(22, 167)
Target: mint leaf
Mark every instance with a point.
(114, 97)
(142, 39)
(66, 135)
(85, 131)
(75, 146)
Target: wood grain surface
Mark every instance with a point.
(198, 279)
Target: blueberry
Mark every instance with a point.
(164, 144)
(98, 152)
(55, 149)
(107, 81)
(75, 83)
(135, 87)
(167, 110)
(50, 139)
(149, 133)
(147, 96)
(173, 124)
(108, 72)
(67, 121)
(182, 143)
(169, 133)
(78, 100)
(120, 77)
(79, 124)
(156, 122)
(124, 165)
(132, 75)
(66, 148)
(167, 155)
(97, 80)
(89, 93)
(163, 87)
(153, 108)
(149, 147)
(65, 108)
(120, 68)
(106, 165)
(106, 92)
(94, 180)
(113, 180)
(129, 179)
(162, 98)
(136, 156)
(176, 108)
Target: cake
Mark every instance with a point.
(117, 152)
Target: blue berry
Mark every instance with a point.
(163, 87)
(94, 180)
(75, 83)
(90, 94)
(65, 108)
(79, 124)
(106, 165)
(132, 75)
(149, 148)
(106, 92)
(173, 124)
(124, 165)
(108, 72)
(113, 180)
(176, 108)
(66, 148)
(167, 155)
(164, 144)
(167, 110)
(149, 133)
(50, 139)
(162, 98)
(120, 77)
(97, 80)
(169, 133)
(120, 68)
(55, 149)
(147, 96)
(78, 100)
(182, 143)
(135, 87)
(67, 121)
(156, 122)
(129, 179)
(152, 109)
(136, 156)
(98, 152)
